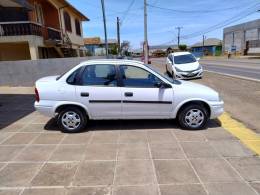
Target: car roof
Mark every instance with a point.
(112, 61)
(180, 53)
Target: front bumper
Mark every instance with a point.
(189, 75)
(217, 109)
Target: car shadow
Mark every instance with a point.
(111, 125)
(13, 107)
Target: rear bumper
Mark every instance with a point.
(45, 110)
(217, 108)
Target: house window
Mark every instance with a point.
(77, 26)
(39, 14)
(67, 21)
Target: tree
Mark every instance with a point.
(182, 47)
(113, 49)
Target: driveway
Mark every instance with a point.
(119, 157)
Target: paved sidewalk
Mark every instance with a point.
(124, 157)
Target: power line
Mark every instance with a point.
(235, 18)
(127, 11)
(195, 11)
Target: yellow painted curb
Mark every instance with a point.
(246, 136)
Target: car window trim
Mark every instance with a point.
(84, 68)
(121, 79)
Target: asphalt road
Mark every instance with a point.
(243, 68)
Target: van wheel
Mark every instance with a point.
(193, 117)
(71, 120)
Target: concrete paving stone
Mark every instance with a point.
(230, 189)
(78, 138)
(45, 191)
(187, 189)
(20, 138)
(37, 153)
(33, 128)
(163, 136)
(101, 152)
(10, 192)
(199, 150)
(218, 134)
(90, 191)
(55, 174)
(231, 148)
(18, 174)
(41, 119)
(133, 151)
(248, 167)
(256, 186)
(134, 172)
(91, 173)
(105, 137)
(131, 136)
(49, 138)
(2, 165)
(136, 190)
(214, 170)
(7, 153)
(174, 171)
(4, 136)
(14, 127)
(186, 135)
(166, 151)
(68, 153)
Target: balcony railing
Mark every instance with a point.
(29, 28)
(53, 34)
(20, 28)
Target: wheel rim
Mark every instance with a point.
(194, 118)
(71, 120)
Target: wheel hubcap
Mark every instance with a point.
(71, 120)
(194, 118)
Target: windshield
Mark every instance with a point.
(162, 75)
(184, 59)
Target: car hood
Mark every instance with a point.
(188, 67)
(195, 90)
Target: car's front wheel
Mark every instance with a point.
(71, 120)
(193, 117)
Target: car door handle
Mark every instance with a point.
(84, 94)
(129, 94)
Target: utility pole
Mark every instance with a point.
(203, 44)
(145, 34)
(118, 35)
(179, 34)
(105, 25)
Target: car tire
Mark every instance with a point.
(71, 120)
(193, 117)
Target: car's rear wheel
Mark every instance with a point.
(193, 117)
(71, 120)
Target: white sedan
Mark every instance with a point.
(183, 65)
(123, 89)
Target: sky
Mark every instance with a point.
(196, 17)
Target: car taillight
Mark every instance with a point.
(37, 97)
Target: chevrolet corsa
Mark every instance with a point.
(123, 89)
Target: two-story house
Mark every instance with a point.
(36, 29)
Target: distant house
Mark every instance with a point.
(159, 49)
(97, 47)
(35, 29)
(211, 47)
